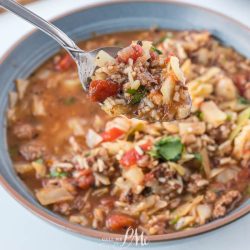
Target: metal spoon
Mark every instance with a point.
(83, 59)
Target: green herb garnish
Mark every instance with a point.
(174, 221)
(39, 161)
(229, 117)
(136, 94)
(198, 157)
(243, 100)
(159, 52)
(58, 174)
(69, 100)
(200, 115)
(168, 148)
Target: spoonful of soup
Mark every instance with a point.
(140, 82)
(136, 81)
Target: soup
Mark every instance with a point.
(112, 174)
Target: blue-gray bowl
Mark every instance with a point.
(34, 49)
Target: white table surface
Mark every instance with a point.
(20, 229)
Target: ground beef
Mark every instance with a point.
(226, 203)
(32, 150)
(24, 131)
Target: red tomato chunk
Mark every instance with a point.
(131, 157)
(66, 62)
(99, 90)
(132, 52)
(86, 179)
(117, 222)
(112, 134)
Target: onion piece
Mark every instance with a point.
(227, 175)
(92, 138)
(186, 207)
(23, 168)
(204, 212)
(184, 222)
(167, 90)
(103, 58)
(50, 195)
(40, 168)
(174, 62)
(179, 169)
(134, 175)
(21, 86)
(216, 171)
(38, 108)
(212, 114)
(13, 98)
(206, 162)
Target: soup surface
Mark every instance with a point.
(111, 174)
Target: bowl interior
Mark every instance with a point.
(36, 48)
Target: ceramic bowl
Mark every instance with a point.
(35, 48)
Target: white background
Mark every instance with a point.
(21, 230)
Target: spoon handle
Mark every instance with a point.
(43, 25)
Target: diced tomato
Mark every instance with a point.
(146, 146)
(112, 134)
(131, 157)
(85, 179)
(117, 222)
(132, 52)
(99, 90)
(66, 62)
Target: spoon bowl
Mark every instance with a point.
(86, 62)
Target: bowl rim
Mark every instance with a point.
(98, 234)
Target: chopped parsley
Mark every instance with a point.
(136, 94)
(200, 115)
(243, 100)
(39, 161)
(58, 174)
(168, 148)
(69, 100)
(198, 157)
(174, 220)
(159, 52)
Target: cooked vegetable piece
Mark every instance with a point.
(168, 148)
(99, 90)
(112, 134)
(50, 195)
(119, 221)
